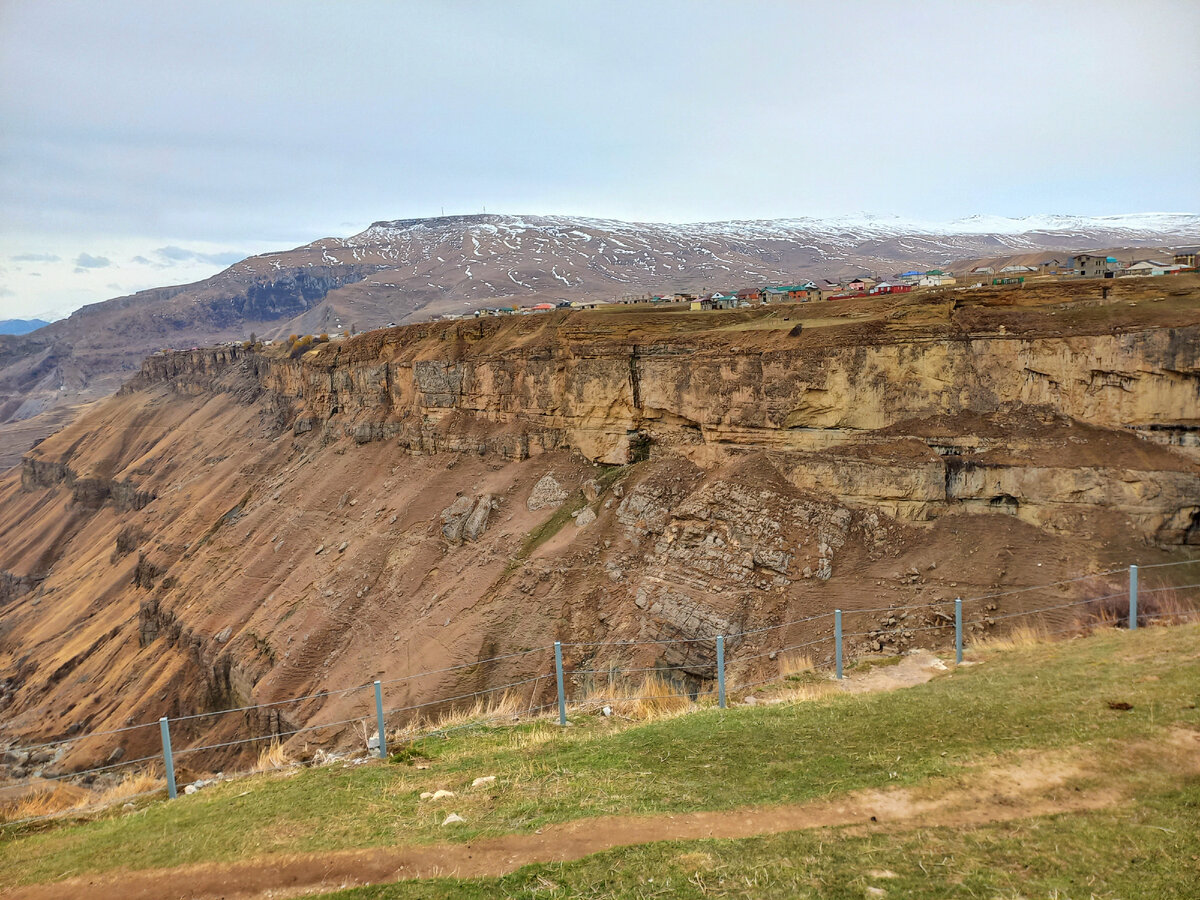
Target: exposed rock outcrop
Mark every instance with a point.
(763, 477)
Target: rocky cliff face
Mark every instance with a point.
(937, 419)
(241, 527)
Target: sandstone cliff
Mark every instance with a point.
(240, 527)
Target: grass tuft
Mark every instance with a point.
(646, 700)
(1019, 638)
(273, 756)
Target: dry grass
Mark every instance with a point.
(795, 664)
(508, 705)
(53, 798)
(1019, 637)
(1166, 606)
(803, 693)
(43, 800)
(542, 733)
(133, 784)
(647, 700)
(273, 756)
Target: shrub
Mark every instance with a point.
(301, 345)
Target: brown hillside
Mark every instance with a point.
(238, 527)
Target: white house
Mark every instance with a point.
(1145, 267)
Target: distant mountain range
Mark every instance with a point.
(408, 270)
(21, 326)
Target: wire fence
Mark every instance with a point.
(612, 677)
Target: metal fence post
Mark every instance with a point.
(379, 719)
(562, 694)
(958, 629)
(1133, 588)
(837, 634)
(168, 757)
(721, 671)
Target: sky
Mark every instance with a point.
(150, 143)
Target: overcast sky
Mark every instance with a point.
(153, 143)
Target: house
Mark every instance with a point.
(541, 307)
(1145, 267)
(983, 270)
(884, 288)
(856, 285)
(751, 295)
(910, 277)
(704, 304)
(1188, 256)
(829, 288)
(930, 279)
(1017, 270)
(1090, 265)
(792, 293)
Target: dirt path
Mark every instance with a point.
(1032, 784)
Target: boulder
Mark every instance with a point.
(546, 493)
(477, 520)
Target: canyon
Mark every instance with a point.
(236, 526)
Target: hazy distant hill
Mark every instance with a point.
(21, 326)
(407, 270)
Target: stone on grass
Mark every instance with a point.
(482, 780)
(452, 819)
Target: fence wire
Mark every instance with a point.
(693, 686)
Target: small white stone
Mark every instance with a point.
(482, 780)
(452, 819)
(442, 794)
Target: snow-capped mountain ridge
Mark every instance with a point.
(466, 259)
(864, 225)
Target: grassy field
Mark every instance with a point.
(937, 737)
(1150, 851)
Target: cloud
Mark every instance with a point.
(5, 292)
(36, 257)
(182, 254)
(87, 261)
(142, 261)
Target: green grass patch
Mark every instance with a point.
(879, 662)
(605, 478)
(1035, 698)
(1149, 851)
